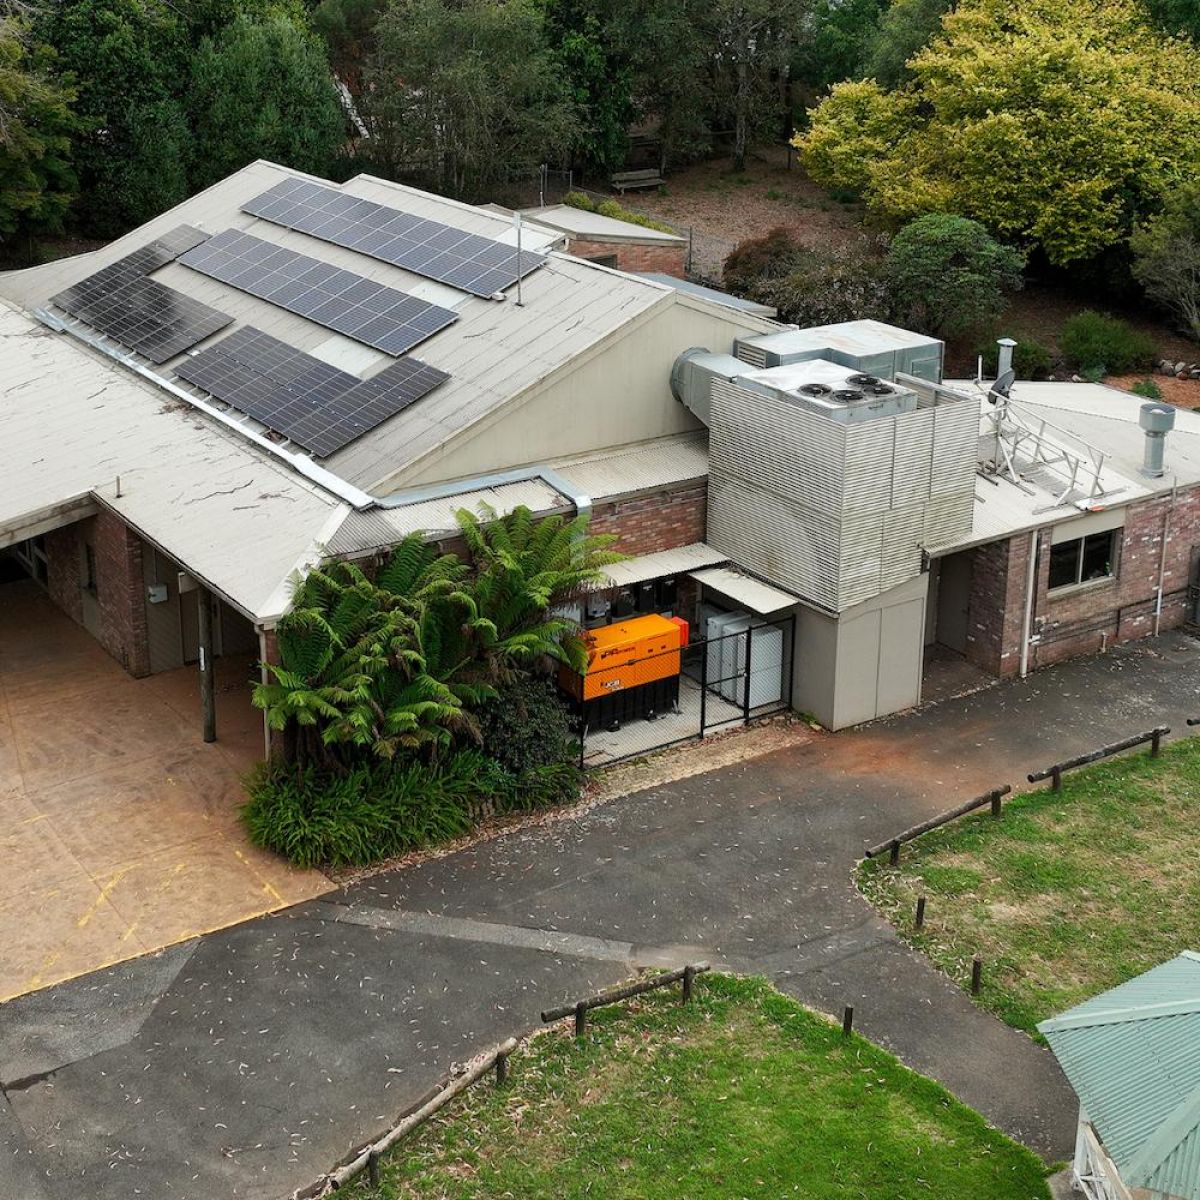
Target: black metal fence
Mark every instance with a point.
(714, 684)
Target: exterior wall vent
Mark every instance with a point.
(1157, 420)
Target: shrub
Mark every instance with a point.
(528, 726)
(771, 256)
(949, 275)
(1166, 257)
(1095, 341)
(1147, 389)
(844, 285)
(618, 212)
(1031, 359)
(375, 811)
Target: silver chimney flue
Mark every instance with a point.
(1004, 355)
(1157, 420)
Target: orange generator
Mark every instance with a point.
(633, 670)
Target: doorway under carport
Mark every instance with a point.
(118, 826)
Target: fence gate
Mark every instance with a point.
(721, 683)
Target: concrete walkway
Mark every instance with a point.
(245, 1063)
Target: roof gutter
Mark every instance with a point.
(299, 463)
(440, 491)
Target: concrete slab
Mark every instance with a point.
(118, 826)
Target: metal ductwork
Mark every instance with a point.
(693, 374)
(1157, 420)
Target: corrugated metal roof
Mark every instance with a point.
(757, 596)
(713, 295)
(494, 352)
(73, 422)
(666, 562)
(374, 529)
(661, 463)
(596, 226)
(1132, 1055)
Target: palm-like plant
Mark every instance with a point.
(396, 663)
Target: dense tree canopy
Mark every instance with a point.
(36, 126)
(1056, 123)
(262, 89)
(469, 94)
(1166, 257)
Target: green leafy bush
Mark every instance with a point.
(846, 284)
(618, 212)
(528, 726)
(1031, 359)
(1147, 389)
(949, 275)
(1095, 341)
(316, 817)
(771, 256)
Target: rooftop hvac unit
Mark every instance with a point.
(837, 392)
(871, 347)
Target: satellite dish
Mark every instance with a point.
(1000, 389)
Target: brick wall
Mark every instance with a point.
(1089, 618)
(662, 521)
(120, 604)
(633, 256)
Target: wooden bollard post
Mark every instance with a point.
(848, 1020)
(894, 856)
(996, 798)
(373, 1168)
(580, 1019)
(501, 1069)
(1155, 742)
(689, 974)
(920, 924)
(976, 975)
(1055, 779)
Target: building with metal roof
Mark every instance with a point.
(1132, 1055)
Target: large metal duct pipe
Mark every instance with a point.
(692, 376)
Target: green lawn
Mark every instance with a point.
(1068, 893)
(742, 1094)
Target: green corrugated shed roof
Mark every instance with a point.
(1132, 1055)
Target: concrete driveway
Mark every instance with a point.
(118, 825)
(245, 1063)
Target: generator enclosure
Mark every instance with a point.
(627, 655)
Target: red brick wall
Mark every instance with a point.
(1089, 618)
(662, 521)
(995, 613)
(120, 588)
(631, 256)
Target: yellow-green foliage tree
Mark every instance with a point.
(1053, 122)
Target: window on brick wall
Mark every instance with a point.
(89, 568)
(604, 260)
(1083, 560)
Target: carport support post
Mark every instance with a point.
(207, 692)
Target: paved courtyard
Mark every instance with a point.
(118, 825)
(245, 1063)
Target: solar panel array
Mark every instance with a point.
(149, 318)
(479, 265)
(310, 402)
(369, 312)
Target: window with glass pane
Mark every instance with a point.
(1082, 560)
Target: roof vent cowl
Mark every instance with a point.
(1157, 420)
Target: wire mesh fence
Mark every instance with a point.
(666, 699)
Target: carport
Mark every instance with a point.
(118, 825)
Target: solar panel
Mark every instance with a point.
(369, 312)
(314, 404)
(467, 261)
(149, 318)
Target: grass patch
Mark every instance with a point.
(1067, 895)
(743, 1094)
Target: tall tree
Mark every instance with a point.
(1052, 122)
(466, 91)
(1166, 257)
(37, 182)
(128, 59)
(831, 40)
(262, 88)
(752, 43)
(905, 28)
